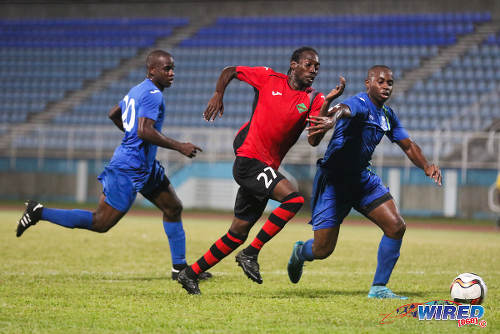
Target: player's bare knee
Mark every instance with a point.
(241, 231)
(173, 212)
(397, 229)
(401, 228)
(241, 227)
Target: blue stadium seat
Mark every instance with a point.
(348, 45)
(63, 53)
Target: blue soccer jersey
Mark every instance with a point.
(134, 154)
(354, 139)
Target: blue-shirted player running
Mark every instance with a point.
(343, 179)
(134, 167)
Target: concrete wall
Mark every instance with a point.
(425, 198)
(215, 188)
(472, 199)
(17, 185)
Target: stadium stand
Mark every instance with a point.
(63, 54)
(348, 46)
(448, 97)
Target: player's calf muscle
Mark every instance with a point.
(100, 226)
(322, 250)
(103, 224)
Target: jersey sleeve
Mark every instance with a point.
(316, 104)
(255, 76)
(150, 105)
(357, 105)
(397, 131)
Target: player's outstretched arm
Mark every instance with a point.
(414, 153)
(215, 105)
(334, 93)
(319, 125)
(147, 132)
(115, 114)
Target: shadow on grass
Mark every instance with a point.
(326, 293)
(293, 293)
(311, 293)
(124, 279)
(316, 293)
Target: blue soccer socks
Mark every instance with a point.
(68, 218)
(388, 254)
(177, 240)
(306, 251)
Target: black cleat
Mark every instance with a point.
(189, 284)
(250, 266)
(175, 274)
(204, 275)
(30, 217)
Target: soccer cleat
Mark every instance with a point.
(383, 292)
(295, 264)
(202, 276)
(30, 217)
(189, 284)
(250, 266)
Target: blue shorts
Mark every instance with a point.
(121, 187)
(333, 196)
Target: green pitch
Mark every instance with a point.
(55, 280)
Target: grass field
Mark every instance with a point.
(55, 280)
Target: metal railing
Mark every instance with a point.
(462, 150)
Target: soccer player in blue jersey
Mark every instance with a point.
(133, 167)
(344, 180)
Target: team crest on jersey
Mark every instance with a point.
(301, 108)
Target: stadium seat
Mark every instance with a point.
(348, 45)
(64, 53)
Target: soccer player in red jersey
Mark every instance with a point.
(280, 110)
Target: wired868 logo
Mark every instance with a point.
(464, 314)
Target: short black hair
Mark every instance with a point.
(298, 53)
(152, 58)
(375, 67)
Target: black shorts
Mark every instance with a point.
(257, 181)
